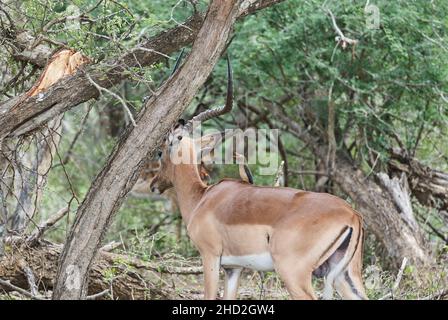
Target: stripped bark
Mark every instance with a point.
(428, 185)
(33, 164)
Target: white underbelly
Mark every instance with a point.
(260, 261)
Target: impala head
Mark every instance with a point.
(179, 139)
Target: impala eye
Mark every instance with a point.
(159, 154)
(179, 138)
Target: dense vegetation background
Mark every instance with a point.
(380, 104)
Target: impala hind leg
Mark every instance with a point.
(349, 284)
(347, 289)
(231, 283)
(346, 277)
(211, 276)
(297, 279)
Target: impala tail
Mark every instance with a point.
(342, 264)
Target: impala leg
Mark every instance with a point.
(211, 276)
(349, 284)
(345, 288)
(231, 283)
(297, 279)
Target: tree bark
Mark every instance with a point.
(429, 186)
(121, 170)
(30, 173)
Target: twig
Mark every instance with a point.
(341, 37)
(397, 280)
(31, 279)
(332, 146)
(310, 172)
(110, 246)
(439, 295)
(123, 103)
(98, 295)
(279, 178)
(20, 290)
(153, 51)
(38, 233)
(78, 133)
(400, 274)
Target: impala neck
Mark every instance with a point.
(189, 189)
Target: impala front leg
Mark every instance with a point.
(211, 276)
(231, 283)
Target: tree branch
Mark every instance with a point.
(341, 37)
(38, 233)
(20, 115)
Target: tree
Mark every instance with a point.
(119, 174)
(362, 114)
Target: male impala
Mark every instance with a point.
(237, 225)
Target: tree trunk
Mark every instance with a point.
(385, 216)
(121, 170)
(30, 175)
(429, 186)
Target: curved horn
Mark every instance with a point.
(178, 60)
(212, 113)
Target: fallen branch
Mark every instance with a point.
(98, 295)
(428, 185)
(127, 277)
(12, 287)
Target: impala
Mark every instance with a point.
(236, 225)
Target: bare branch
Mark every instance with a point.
(279, 179)
(39, 232)
(341, 38)
(98, 295)
(110, 246)
(123, 103)
(19, 290)
(31, 279)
